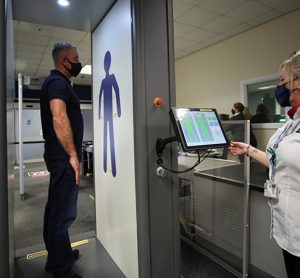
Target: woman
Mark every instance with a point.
(240, 112)
(283, 159)
(237, 110)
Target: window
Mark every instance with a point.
(261, 101)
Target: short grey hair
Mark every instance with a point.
(58, 48)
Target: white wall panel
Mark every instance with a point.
(115, 195)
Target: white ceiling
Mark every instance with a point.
(34, 44)
(197, 25)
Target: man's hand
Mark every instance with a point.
(75, 165)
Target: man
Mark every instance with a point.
(62, 125)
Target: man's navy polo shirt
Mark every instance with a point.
(58, 86)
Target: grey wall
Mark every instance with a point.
(157, 198)
(6, 139)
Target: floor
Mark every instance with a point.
(196, 265)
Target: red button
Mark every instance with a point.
(158, 101)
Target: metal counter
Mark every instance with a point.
(235, 175)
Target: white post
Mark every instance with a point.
(21, 169)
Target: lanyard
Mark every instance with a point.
(272, 151)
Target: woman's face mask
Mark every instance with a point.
(282, 95)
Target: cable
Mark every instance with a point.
(205, 154)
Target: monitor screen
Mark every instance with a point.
(198, 128)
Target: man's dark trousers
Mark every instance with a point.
(60, 213)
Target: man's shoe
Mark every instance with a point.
(75, 255)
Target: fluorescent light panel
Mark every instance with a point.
(267, 87)
(63, 3)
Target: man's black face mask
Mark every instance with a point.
(75, 69)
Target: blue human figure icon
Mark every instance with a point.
(107, 85)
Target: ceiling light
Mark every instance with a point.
(267, 87)
(63, 3)
(87, 69)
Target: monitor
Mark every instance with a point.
(198, 128)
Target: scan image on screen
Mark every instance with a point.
(198, 128)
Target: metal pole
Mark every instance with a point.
(246, 224)
(21, 169)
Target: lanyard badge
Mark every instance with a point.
(271, 190)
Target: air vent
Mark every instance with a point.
(232, 219)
